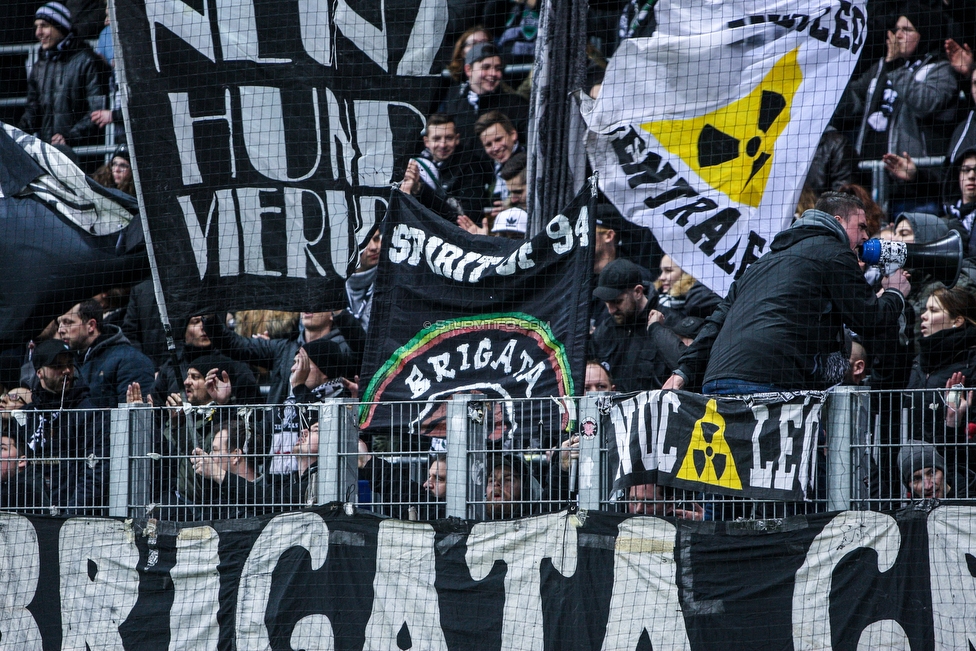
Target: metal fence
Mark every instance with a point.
(466, 457)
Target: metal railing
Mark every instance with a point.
(466, 457)
(881, 185)
(31, 52)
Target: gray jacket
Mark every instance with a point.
(923, 90)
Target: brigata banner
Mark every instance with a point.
(459, 313)
(705, 130)
(762, 446)
(575, 582)
(266, 136)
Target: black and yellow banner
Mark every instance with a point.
(761, 447)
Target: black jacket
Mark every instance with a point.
(635, 362)
(464, 177)
(72, 448)
(513, 106)
(110, 365)
(59, 92)
(942, 354)
(782, 321)
(833, 162)
(699, 301)
(276, 354)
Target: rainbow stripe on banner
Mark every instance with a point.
(435, 335)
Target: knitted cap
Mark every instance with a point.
(56, 14)
(918, 456)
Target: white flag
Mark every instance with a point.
(704, 131)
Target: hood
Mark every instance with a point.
(813, 223)
(928, 228)
(112, 336)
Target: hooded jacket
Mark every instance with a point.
(110, 365)
(785, 315)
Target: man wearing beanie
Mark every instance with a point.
(483, 92)
(925, 476)
(67, 83)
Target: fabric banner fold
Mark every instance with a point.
(265, 137)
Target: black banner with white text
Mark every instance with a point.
(760, 447)
(322, 580)
(460, 313)
(266, 136)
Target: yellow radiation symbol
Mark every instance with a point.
(709, 458)
(731, 149)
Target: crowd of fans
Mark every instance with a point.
(806, 317)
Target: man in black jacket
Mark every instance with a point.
(483, 93)
(108, 363)
(70, 445)
(446, 179)
(781, 325)
(68, 82)
(625, 341)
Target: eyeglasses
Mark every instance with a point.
(120, 166)
(966, 170)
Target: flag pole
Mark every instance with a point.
(150, 252)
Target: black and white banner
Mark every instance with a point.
(704, 131)
(757, 447)
(61, 239)
(320, 580)
(460, 313)
(266, 136)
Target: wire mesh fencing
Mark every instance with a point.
(876, 451)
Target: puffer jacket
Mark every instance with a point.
(60, 91)
(111, 365)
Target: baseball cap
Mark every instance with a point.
(46, 353)
(481, 51)
(617, 277)
(511, 220)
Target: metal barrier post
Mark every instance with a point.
(348, 453)
(457, 456)
(589, 488)
(327, 489)
(140, 447)
(840, 419)
(118, 478)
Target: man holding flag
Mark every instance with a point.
(794, 302)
